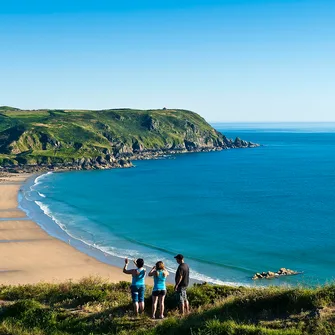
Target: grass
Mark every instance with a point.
(46, 136)
(93, 306)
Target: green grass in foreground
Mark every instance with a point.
(95, 307)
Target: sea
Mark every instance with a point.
(231, 213)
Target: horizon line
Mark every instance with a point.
(212, 122)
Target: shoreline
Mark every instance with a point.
(31, 233)
(52, 228)
(34, 228)
(31, 255)
(50, 225)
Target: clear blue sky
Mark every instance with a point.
(249, 60)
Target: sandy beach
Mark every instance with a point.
(30, 255)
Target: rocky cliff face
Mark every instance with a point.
(49, 139)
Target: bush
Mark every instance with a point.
(31, 314)
(95, 307)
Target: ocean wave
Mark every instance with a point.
(38, 179)
(131, 251)
(46, 210)
(150, 258)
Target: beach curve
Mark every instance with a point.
(30, 255)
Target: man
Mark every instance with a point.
(182, 280)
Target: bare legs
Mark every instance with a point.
(154, 306)
(184, 307)
(161, 306)
(138, 307)
(141, 306)
(159, 299)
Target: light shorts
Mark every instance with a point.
(181, 294)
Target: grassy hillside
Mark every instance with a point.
(94, 307)
(93, 139)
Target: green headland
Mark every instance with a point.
(86, 139)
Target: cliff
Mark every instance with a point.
(85, 139)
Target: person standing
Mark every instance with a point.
(137, 284)
(181, 283)
(159, 291)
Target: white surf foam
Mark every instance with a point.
(150, 260)
(46, 210)
(38, 179)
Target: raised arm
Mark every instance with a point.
(152, 272)
(125, 270)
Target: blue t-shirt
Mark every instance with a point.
(139, 280)
(159, 281)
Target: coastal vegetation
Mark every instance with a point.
(93, 306)
(86, 139)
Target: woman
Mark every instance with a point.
(159, 291)
(137, 284)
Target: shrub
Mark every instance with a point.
(31, 314)
(96, 307)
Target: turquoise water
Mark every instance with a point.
(231, 213)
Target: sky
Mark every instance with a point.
(228, 60)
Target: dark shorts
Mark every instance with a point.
(159, 293)
(181, 295)
(137, 293)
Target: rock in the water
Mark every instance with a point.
(270, 274)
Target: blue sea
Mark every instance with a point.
(230, 213)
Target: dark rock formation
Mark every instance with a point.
(271, 275)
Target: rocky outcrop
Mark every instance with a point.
(238, 143)
(98, 163)
(149, 123)
(271, 275)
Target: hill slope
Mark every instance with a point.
(83, 139)
(94, 307)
